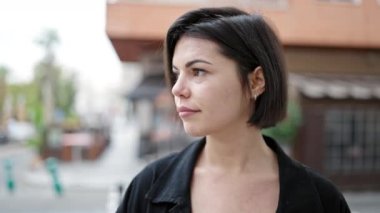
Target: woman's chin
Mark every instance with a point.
(194, 132)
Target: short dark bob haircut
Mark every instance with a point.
(250, 42)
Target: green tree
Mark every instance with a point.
(3, 87)
(58, 85)
(47, 72)
(34, 109)
(56, 89)
(66, 93)
(48, 40)
(286, 131)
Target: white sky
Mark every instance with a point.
(83, 47)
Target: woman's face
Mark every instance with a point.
(208, 93)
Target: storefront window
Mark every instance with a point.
(352, 141)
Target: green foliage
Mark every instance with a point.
(71, 122)
(48, 40)
(28, 91)
(33, 105)
(3, 71)
(65, 93)
(3, 85)
(36, 115)
(285, 131)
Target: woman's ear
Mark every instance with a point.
(256, 82)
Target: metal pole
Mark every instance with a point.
(52, 166)
(9, 177)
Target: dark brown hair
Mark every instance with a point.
(250, 42)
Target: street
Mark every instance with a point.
(43, 200)
(28, 197)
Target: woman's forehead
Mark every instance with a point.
(189, 48)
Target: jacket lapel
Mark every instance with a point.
(172, 188)
(297, 191)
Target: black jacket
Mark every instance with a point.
(164, 186)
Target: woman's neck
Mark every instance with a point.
(241, 151)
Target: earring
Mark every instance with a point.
(254, 96)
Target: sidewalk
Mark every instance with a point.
(363, 202)
(118, 164)
(12, 148)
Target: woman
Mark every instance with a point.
(227, 76)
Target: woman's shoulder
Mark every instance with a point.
(306, 189)
(303, 188)
(330, 196)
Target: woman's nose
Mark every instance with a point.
(180, 88)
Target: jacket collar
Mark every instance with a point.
(297, 191)
(173, 186)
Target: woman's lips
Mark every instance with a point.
(186, 112)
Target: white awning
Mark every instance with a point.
(360, 87)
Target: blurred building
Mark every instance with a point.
(332, 50)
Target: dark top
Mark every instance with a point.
(164, 186)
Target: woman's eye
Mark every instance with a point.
(198, 72)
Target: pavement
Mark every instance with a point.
(101, 178)
(34, 199)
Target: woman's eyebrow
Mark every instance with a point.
(188, 64)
